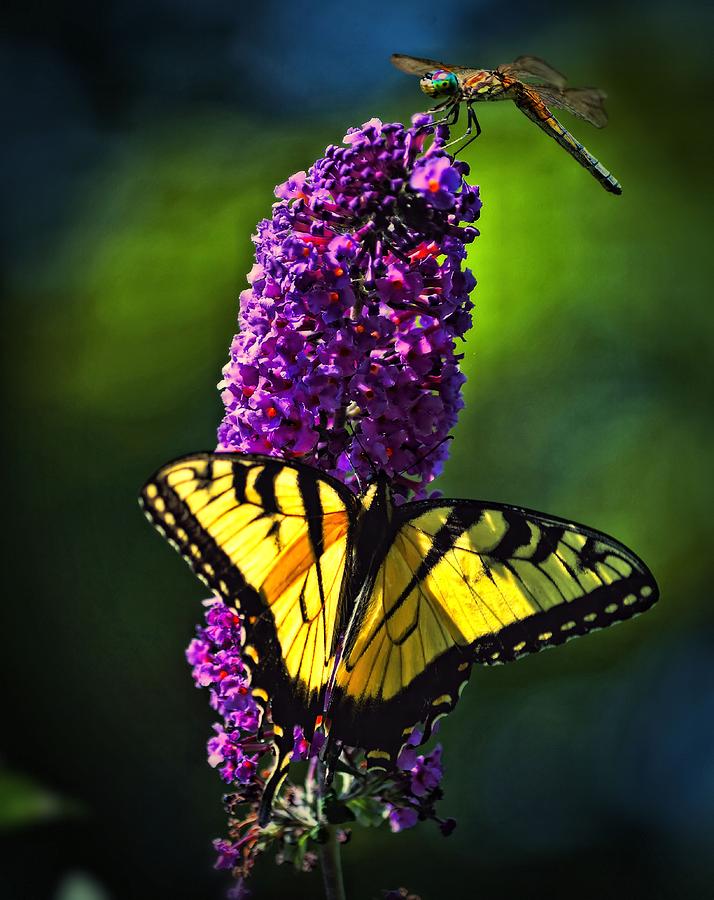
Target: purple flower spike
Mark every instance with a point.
(345, 358)
(346, 354)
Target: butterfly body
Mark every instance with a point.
(367, 615)
(531, 84)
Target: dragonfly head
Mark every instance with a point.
(440, 84)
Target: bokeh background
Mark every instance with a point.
(142, 140)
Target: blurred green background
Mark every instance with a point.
(142, 142)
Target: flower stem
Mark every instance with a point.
(332, 867)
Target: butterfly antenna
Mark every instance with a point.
(449, 437)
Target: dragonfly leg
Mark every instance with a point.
(466, 136)
(475, 121)
(452, 115)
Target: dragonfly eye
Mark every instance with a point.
(440, 84)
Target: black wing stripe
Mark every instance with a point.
(303, 605)
(240, 480)
(517, 535)
(549, 540)
(310, 494)
(265, 487)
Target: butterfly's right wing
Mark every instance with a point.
(271, 537)
(465, 582)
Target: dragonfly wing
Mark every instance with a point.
(531, 68)
(589, 104)
(416, 65)
(585, 103)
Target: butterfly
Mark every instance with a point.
(367, 616)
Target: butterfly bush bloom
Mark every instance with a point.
(216, 661)
(239, 750)
(346, 354)
(346, 358)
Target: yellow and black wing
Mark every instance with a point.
(271, 537)
(465, 582)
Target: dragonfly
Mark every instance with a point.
(530, 83)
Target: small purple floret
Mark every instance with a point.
(438, 181)
(228, 854)
(426, 773)
(301, 746)
(402, 817)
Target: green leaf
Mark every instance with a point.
(368, 811)
(23, 802)
(80, 886)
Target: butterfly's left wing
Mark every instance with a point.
(467, 582)
(271, 537)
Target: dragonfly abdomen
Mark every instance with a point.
(542, 116)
